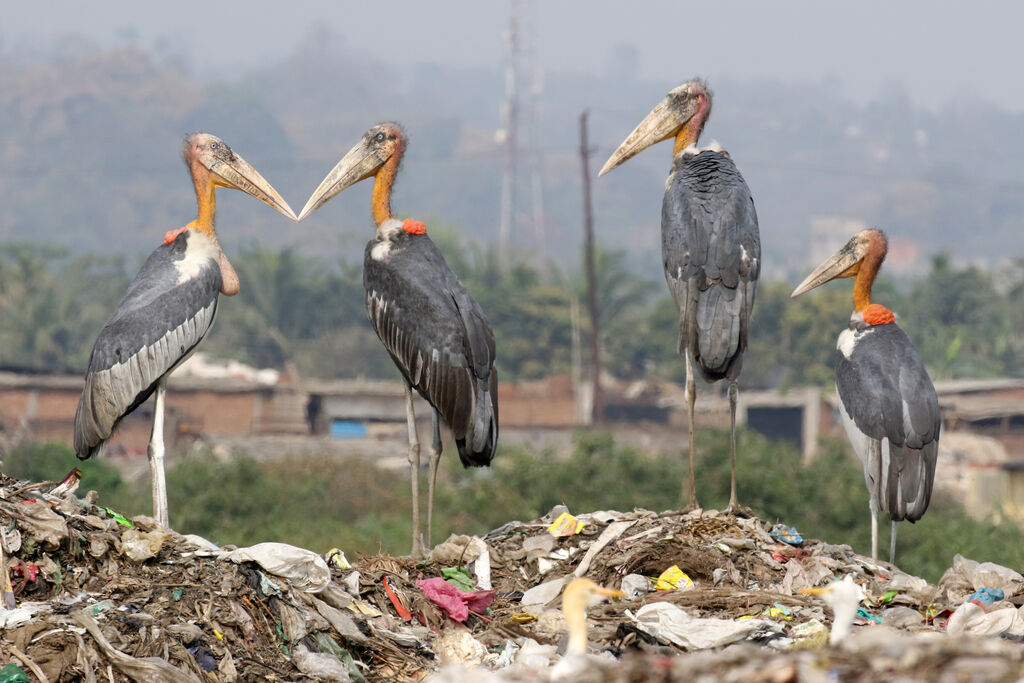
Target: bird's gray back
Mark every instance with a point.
(167, 310)
(436, 333)
(891, 412)
(711, 252)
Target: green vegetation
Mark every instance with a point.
(354, 505)
(306, 313)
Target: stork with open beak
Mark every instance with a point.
(711, 248)
(434, 331)
(168, 309)
(886, 399)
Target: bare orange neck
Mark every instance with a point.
(865, 278)
(382, 184)
(691, 130)
(207, 201)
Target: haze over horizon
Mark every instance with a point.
(939, 58)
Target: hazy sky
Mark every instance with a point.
(939, 55)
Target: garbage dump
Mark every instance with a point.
(91, 595)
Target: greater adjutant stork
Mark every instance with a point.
(711, 249)
(168, 309)
(435, 332)
(886, 399)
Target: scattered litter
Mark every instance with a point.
(100, 597)
(786, 534)
(673, 578)
(565, 525)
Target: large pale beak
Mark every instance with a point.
(238, 174)
(609, 592)
(662, 123)
(843, 263)
(360, 163)
(818, 590)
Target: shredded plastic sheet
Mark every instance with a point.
(454, 602)
(669, 623)
(301, 568)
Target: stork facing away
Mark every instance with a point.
(886, 399)
(433, 330)
(168, 309)
(710, 245)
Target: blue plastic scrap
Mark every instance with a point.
(787, 534)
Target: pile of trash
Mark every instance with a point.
(90, 595)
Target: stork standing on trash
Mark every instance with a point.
(168, 309)
(710, 246)
(434, 331)
(886, 399)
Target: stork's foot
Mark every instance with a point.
(694, 505)
(737, 510)
(418, 552)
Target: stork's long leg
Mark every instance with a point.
(892, 545)
(435, 459)
(734, 505)
(414, 468)
(691, 399)
(156, 457)
(874, 529)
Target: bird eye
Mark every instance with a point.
(380, 137)
(213, 145)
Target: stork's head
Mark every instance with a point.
(866, 246)
(382, 143)
(681, 115)
(844, 598)
(209, 159)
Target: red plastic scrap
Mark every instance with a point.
(781, 559)
(399, 607)
(454, 602)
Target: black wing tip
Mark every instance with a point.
(471, 458)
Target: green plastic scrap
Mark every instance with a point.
(283, 637)
(268, 586)
(12, 673)
(177, 593)
(458, 577)
(325, 644)
(887, 597)
(98, 608)
(867, 616)
(118, 517)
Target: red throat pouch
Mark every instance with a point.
(877, 314)
(414, 227)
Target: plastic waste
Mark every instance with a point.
(565, 525)
(786, 534)
(139, 546)
(301, 568)
(12, 673)
(454, 602)
(669, 623)
(673, 578)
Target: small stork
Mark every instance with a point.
(710, 246)
(168, 309)
(434, 331)
(886, 399)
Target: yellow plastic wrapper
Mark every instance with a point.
(673, 578)
(565, 525)
(336, 558)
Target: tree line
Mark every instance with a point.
(301, 311)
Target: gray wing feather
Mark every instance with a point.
(439, 338)
(155, 326)
(711, 253)
(890, 403)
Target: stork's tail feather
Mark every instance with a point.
(911, 475)
(478, 446)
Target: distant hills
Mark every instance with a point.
(90, 147)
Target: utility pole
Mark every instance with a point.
(510, 129)
(588, 259)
